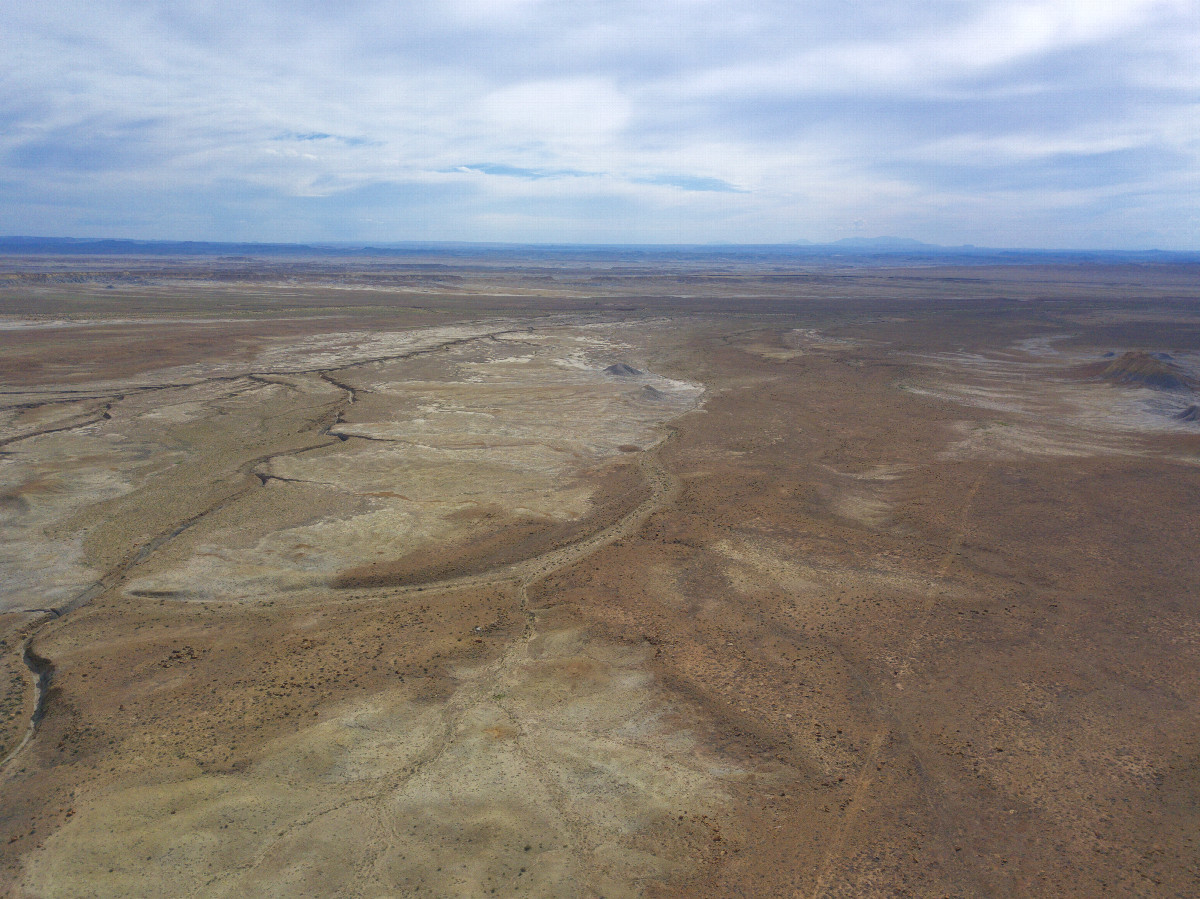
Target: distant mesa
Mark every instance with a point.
(1163, 357)
(1109, 355)
(1191, 413)
(621, 370)
(1139, 369)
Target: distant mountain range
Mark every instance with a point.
(879, 248)
(885, 243)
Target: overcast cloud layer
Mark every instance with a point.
(1048, 123)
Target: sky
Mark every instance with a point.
(1038, 123)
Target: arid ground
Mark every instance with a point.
(455, 577)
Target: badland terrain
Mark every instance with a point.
(598, 575)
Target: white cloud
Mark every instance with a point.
(989, 36)
(576, 115)
(822, 112)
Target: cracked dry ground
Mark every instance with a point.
(455, 610)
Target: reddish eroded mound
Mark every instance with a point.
(1138, 368)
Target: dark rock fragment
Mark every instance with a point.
(621, 370)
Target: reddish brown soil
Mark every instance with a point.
(978, 676)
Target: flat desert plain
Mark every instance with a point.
(598, 577)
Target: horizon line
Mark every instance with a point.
(884, 244)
